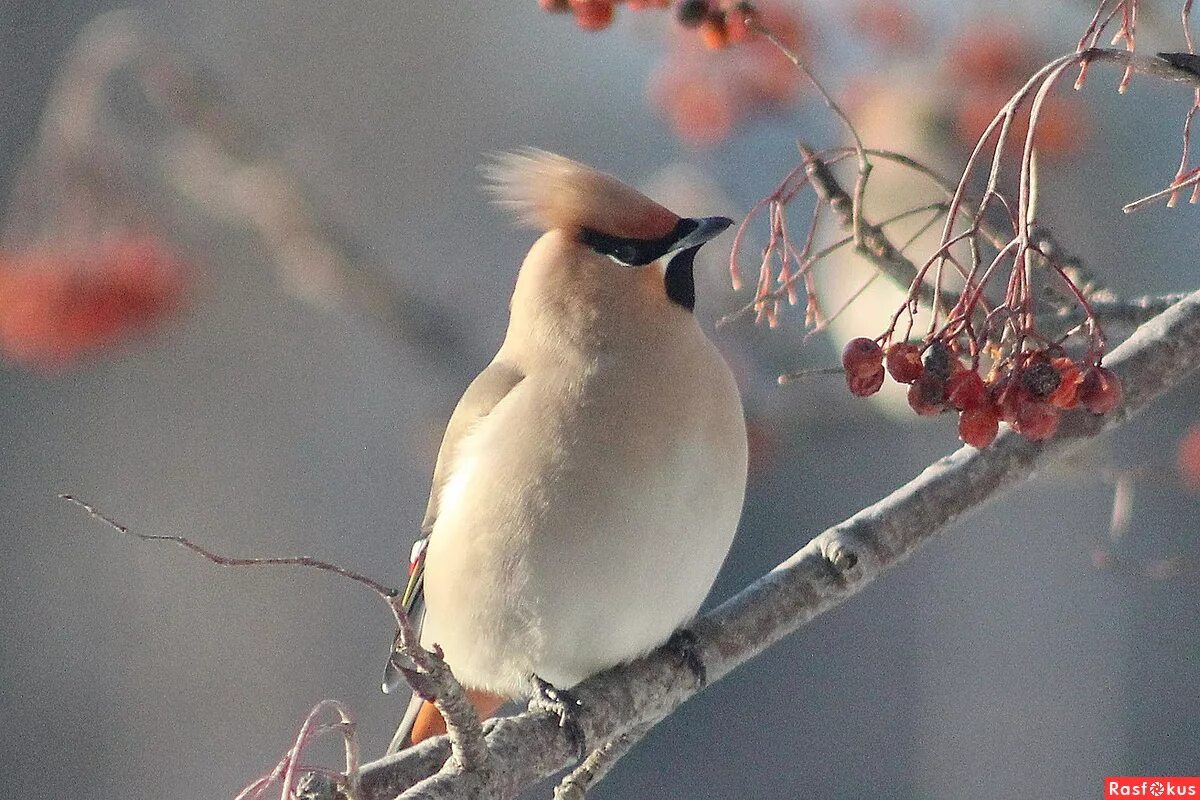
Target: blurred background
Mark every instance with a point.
(335, 278)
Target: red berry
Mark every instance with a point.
(965, 390)
(904, 362)
(1100, 390)
(978, 426)
(1036, 420)
(862, 357)
(1066, 395)
(1007, 395)
(865, 385)
(927, 395)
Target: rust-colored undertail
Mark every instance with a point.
(429, 722)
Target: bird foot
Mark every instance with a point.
(564, 705)
(686, 647)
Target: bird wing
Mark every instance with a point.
(485, 392)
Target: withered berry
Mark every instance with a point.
(1066, 395)
(904, 362)
(862, 357)
(927, 395)
(978, 426)
(1100, 390)
(865, 385)
(1036, 420)
(965, 390)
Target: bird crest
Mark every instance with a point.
(548, 191)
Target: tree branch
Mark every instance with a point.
(826, 572)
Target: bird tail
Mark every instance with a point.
(423, 721)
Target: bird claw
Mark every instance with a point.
(686, 647)
(564, 705)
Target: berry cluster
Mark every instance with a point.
(58, 303)
(1029, 391)
(720, 23)
(596, 15)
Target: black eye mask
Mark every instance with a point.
(684, 240)
(636, 252)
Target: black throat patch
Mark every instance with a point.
(680, 278)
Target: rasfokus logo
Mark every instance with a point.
(1151, 786)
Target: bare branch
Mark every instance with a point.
(426, 671)
(827, 571)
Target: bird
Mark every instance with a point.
(591, 479)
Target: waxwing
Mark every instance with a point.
(591, 479)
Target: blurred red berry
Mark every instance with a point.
(891, 24)
(703, 92)
(737, 22)
(1065, 396)
(702, 111)
(1100, 390)
(904, 362)
(927, 395)
(978, 426)
(714, 33)
(1036, 420)
(593, 15)
(862, 356)
(990, 55)
(864, 385)
(1059, 130)
(56, 305)
(965, 391)
(1188, 459)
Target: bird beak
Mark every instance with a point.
(706, 228)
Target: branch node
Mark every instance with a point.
(843, 559)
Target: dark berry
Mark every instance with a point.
(1040, 377)
(692, 12)
(938, 360)
(927, 395)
